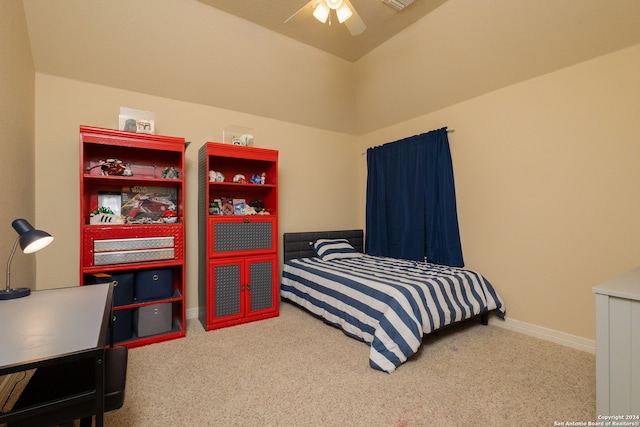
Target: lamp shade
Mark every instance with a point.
(31, 240)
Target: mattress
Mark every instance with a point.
(387, 303)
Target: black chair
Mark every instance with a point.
(115, 381)
(54, 382)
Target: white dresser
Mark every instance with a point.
(618, 345)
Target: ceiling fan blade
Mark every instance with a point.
(354, 24)
(301, 15)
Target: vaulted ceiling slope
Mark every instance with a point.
(382, 22)
(241, 58)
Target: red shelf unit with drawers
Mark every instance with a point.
(238, 259)
(140, 178)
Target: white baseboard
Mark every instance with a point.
(552, 335)
(192, 313)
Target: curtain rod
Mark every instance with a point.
(449, 130)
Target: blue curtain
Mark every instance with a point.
(411, 201)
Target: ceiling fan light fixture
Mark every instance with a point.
(321, 12)
(334, 4)
(343, 13)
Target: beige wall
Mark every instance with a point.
(547, 177)
(17, 149)
(317, 186)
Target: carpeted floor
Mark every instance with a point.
(294, 370)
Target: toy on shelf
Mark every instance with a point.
(104, 215)
(170, 173)
(145, 205)
(216, 176)
(113, 167)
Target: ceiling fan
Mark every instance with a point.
(322, 11)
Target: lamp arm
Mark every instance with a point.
(13, 251)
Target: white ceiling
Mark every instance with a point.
(190, 50)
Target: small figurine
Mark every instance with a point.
(170, 173)
(263, 178)
(240, 179)
(242, 140)
(216, 176)
(131, 125)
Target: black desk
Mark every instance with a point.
(52, 328)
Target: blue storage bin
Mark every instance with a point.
(122, 325)
(122, 285)
(151, 285)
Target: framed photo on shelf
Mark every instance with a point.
(111, 200)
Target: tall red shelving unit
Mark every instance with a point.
(156, 162)
(238, 263)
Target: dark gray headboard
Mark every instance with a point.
(298, 245)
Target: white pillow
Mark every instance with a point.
(329, 249)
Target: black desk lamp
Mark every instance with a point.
(30, 240)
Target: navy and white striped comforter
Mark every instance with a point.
(385, 302)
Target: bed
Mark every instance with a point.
(387, 303)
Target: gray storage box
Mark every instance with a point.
(152, 319)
